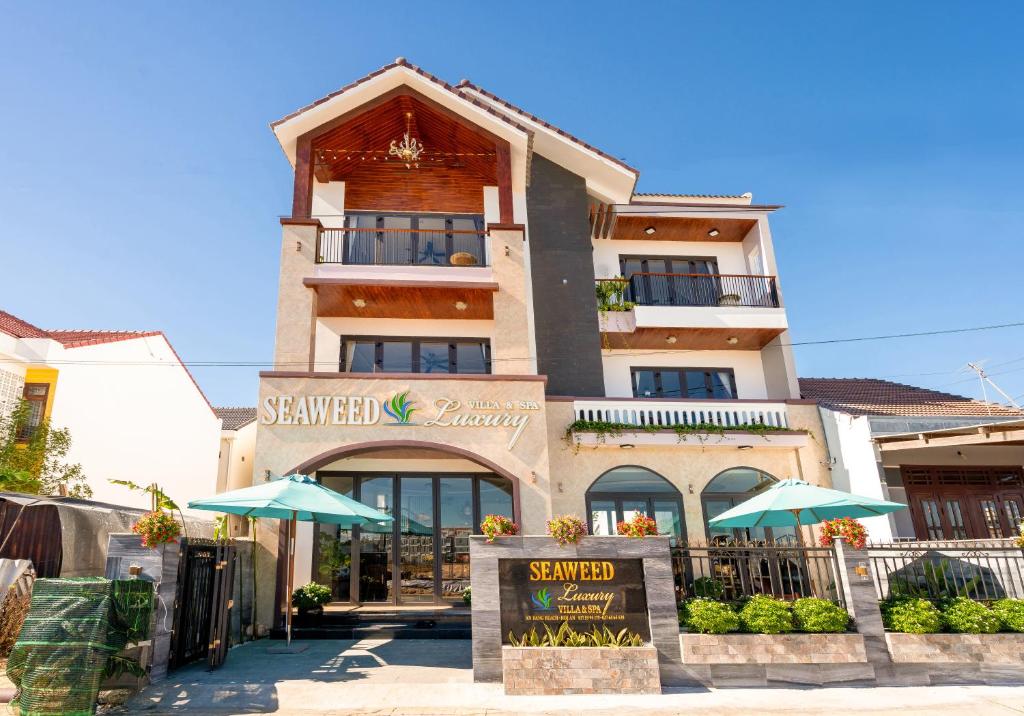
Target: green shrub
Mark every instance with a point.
(707, 616)
(1010, 613)
(966, 616)
(819, 615)
(766, 615)
(911, 615)
(707, 587)
(311, 596)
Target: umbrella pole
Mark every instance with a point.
(799, 529)
(291, 578)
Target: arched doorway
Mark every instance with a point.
(728, 489)
(622, 492)
(423, 556)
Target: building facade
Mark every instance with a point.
(952, 460)
(477, 314)
(132, 408)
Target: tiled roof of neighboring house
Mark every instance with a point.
(14, 326)
(235, 418)
(872, 396)
(80, 338)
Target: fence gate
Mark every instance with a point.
(202, 610)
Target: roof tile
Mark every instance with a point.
(872, 396)
(235, 418)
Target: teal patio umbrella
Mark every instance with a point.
(797, 502)
(295, 498)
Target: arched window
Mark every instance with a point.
(624, 491)
(730, 488)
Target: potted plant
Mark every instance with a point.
(310, 600)
(156, 528)
(497, 526)
(854, 532)
(566, 529)
(639, 527)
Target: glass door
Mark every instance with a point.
(456, 510)
(376, 560)
(416, 539)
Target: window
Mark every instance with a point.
(730, 488)
(415, 355)
(717, 383)
(35, 394)
(412, 239)
(619, 494)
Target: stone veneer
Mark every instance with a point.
(994, 649)
(546, 671)
(772, 648)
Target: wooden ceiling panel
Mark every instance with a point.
(405, 301)
(677, 228)
(449, 143)
(704, 339)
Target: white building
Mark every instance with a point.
(936, 452)
(133, 410)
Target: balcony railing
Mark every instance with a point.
(695, 289)
(401, 247)
(642, 411)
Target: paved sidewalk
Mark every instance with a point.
(407, 677)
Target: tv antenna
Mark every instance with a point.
(984, 379)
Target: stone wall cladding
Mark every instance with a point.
(994, 649)
(542, 671)
(773, 648)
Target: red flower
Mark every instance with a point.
(850, 529)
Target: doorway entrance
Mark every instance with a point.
(420, 558)
(964, 502)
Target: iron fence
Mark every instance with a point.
(671, 289)
(736, 572)
(984, 570)
(402, 247)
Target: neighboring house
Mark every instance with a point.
(908, 445)
(237, 450)
(438, 334)
(133, 409)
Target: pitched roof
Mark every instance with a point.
(872, 396)
(547, 125)
(14, 326)
(235, 418)
(77, 338)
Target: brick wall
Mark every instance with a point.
(773, 648)
(1005, 649)
(584, 670)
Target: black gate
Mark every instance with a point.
(202, 610)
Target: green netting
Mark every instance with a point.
(74, 628)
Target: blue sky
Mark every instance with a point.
(140, 183)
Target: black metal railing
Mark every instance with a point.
(944, 570)
(401, 247)
(733, 573)
(686, 289)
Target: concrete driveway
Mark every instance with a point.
(406, 677)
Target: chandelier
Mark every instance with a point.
(409, 149)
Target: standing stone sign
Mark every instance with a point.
(585, 593)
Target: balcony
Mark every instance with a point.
(402, 247)
(731, 421)
(690, 311)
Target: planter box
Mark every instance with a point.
(773, 648)
(617, 321)
(1002, 649)
(533, 670)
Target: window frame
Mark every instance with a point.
(415, 349)
(682, 371)
(28, 430)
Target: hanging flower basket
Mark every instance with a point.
(156, 528)
(854, 532)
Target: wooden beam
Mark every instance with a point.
(302, 197)
(504, 172)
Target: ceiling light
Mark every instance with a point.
(713, 232)
(359, 302)
(627, 446)
(732, 340)
(461, 305)
(649, 230)
(671, 340)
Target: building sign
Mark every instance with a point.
(511, 416)
(586, 593)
